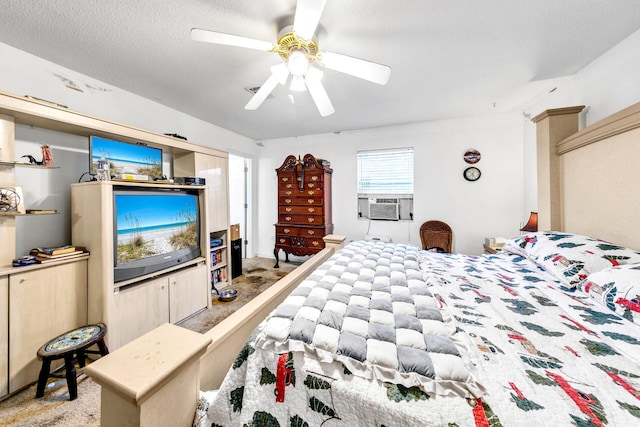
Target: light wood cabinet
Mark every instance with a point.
(43, 303)
(4, 335)
(89, 294)
(215, 171)
(139, 309)
(133, 307)
(186, 293)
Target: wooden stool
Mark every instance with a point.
(74, 342)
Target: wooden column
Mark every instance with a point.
(153, 380)
(7, 154)
(552, 126)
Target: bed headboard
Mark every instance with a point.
(588, 179)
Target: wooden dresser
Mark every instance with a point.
(304, 206)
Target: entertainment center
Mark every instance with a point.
(45, 300)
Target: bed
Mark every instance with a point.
(543, 333)
(387, 334)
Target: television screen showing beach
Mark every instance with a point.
(126, 158)
(154, 224)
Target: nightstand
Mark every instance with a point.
(490, 250)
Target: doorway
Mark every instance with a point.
(239, 198)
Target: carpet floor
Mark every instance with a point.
(55, 409)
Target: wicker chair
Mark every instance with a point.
(436, 236)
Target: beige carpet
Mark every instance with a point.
(55, 409)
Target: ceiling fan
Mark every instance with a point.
(299, 50)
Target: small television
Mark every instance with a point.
(154, 229)
(125, 158)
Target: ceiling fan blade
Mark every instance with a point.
(279, 74)
(367, 70)
(313, 80)
(308, 13)
(229, 39)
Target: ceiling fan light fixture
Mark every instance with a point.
(298, 63)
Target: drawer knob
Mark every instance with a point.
(285, 179)
(310, 201)
(286, 231)
(311, 232)
(288, 209)
(314, 178)
(311, 185)
(311, 192)
(288, 193)
(311, 209)
(283, 240)
(287, 200)
(310, 219)
(315, 243)
(289, 185)
(287, 218)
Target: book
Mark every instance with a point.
(64, 255)
(56, 250)
(44, 260)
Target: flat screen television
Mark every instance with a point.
(154, 229)
(125, 158)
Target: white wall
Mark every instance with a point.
(488, 207)
(608, 84)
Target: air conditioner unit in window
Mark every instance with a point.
(384, 209)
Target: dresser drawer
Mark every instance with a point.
(299, 200)
(300, 219)
(287, 231)
(300, 210)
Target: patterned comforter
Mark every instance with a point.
(388, 335)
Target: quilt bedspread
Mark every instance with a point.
(541, 356)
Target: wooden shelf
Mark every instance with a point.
(27, 214)
(28, 165)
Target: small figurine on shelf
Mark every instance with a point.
(47, 158)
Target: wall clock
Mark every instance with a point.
(472, 173)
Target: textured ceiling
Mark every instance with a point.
(450, 58)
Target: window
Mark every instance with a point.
(385, 184)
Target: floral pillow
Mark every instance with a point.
(570, 257)
(617, 288)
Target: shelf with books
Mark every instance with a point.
(218, 257)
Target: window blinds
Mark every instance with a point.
(385, 171)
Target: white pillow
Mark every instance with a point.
(570, 257)
(617, 288)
